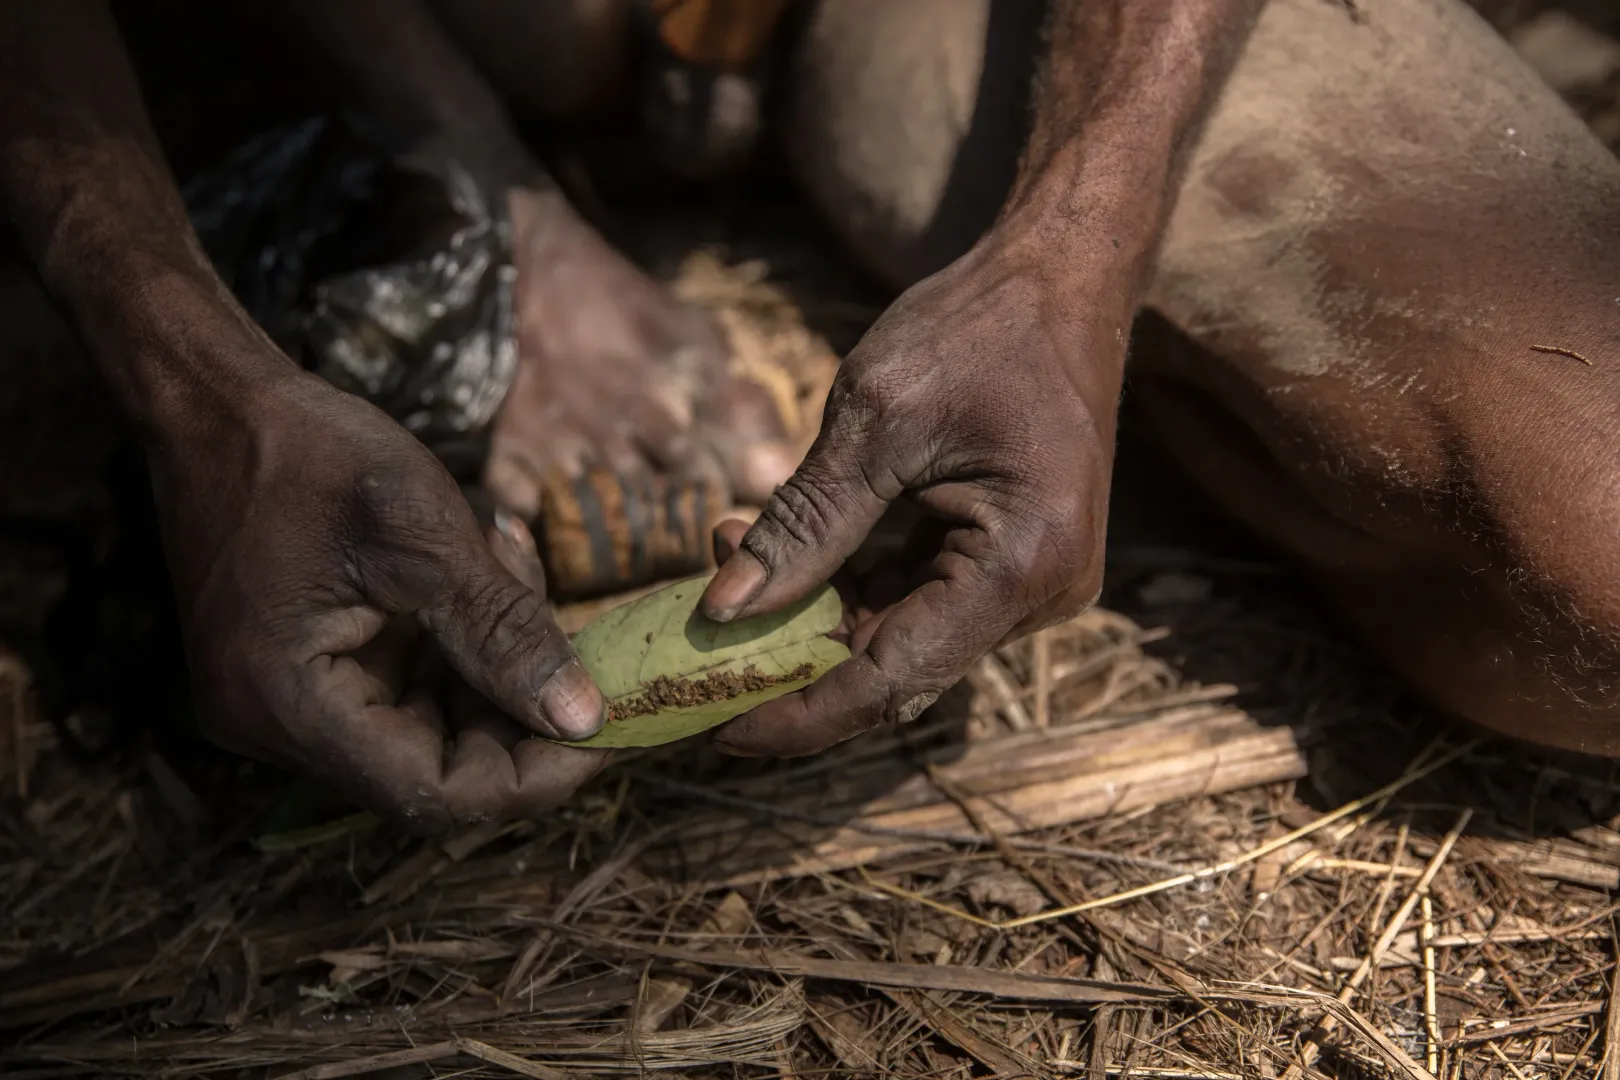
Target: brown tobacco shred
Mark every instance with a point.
(667, 693)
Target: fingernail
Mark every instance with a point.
(573, 706)
(733, 587)
(733, 751)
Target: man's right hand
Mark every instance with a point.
(324, 563)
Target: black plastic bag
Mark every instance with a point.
(389, 276)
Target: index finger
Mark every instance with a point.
(923, 646)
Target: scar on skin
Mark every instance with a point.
(1559, 350)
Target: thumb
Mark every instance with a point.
(809, 526)
(500, 635)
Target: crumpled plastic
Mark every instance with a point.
(389, 276)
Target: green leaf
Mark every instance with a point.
(295, 839)
(668, 672)
(309, 813)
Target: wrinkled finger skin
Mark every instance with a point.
(321, 556)
(962, 399)
(986, 395)
(333, 583)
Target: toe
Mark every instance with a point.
(742, 425)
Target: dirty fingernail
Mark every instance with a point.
(733, 587)
(573, 706)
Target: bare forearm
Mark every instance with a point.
(86, 188)
(392, 60)
(1125, 88)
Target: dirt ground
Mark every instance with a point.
(1194, 833)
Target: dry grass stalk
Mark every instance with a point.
(1040, 659)
(1416, 772)
(742, 942)
(1610, 1069)
(1431, 1028)
(1392, 929)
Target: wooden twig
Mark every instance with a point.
(336, 1070)
(1383, 793)
(913, 839)
(1006, 985)
(992, 679)
(1018, 782)
(1102, 1025)
(1502, 1029)
(1504, 1059)
(1312, 1044)
(510, 1062)
(1401, 954)
(1610, 1069)
(1040, 662)
(1559, 350)
(1431, 1029)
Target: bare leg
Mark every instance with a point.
(1383, 220)
(1388, 212)
(905, 120)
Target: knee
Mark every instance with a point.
(1519, 631)
(904, 121)
(1561, 591)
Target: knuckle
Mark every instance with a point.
(914, 706)
(405, 792)
(508, 621)
(477, 807)
(1055, 536)
(404, 500)
(798, 512)
(417, 815)
(912, 665)
(875, 397)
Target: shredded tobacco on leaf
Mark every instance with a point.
(667, 693)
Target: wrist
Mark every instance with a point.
(1088, 236)
(1127, 87)
(184, 361)
(1111, 195)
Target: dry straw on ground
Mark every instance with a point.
(975, 895)
(1085, 863)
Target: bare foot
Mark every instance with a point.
(613, 371)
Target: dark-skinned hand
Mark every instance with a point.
(331, 579)
(983, 401)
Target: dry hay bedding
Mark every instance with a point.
(1083, 864)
